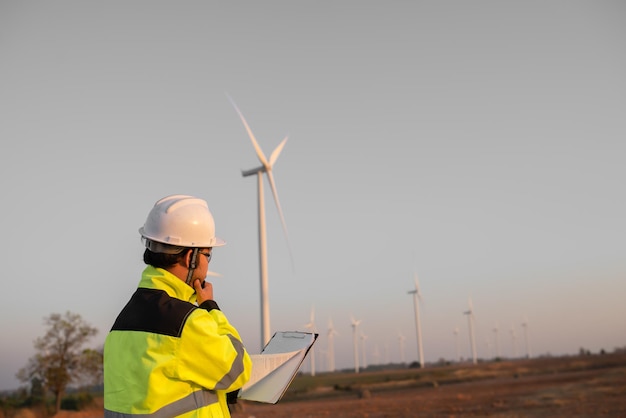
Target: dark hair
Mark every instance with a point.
(162, 260)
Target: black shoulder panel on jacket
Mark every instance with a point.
(152, 310)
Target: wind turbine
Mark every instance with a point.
(355, 323)
(363, 338)
(470, 320)
(376, 355)
(525, 325)
(417, 295)
(496, 330)
(387, 359)
(514, 338)
(456, 339)
(266, 167)
(401, 338)
(331, 345)
(311, 326)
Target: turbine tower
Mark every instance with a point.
(470, 321)
(355, 323)
(331, 345)
(266, 167)
(311, 326)
(418, 296)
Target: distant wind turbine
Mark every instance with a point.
(363, 338)
(525, 325)
(266, 167)
(456, 339)
(514, 338)
(496, 330)
(417, 295)
(401, 339)
(331, 345)
(376, 355)
(470, 321)
(355, 323)
(311, 327)
(387, 358)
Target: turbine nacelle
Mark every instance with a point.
(416, 290)
(254, 171)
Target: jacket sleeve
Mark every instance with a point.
(211, 352)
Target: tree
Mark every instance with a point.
(59, 357)
(90, 370)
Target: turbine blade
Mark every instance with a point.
(270, 177)
(255, 144)
(277, 151)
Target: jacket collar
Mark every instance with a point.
(158, 278)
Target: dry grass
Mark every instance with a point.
(588, 386)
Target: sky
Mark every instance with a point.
(478, 145)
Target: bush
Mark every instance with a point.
(76, 402)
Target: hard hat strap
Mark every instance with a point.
(192, 265)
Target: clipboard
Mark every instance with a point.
(276, 366)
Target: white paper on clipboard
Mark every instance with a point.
(274, 369)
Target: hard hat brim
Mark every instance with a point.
(213, 242)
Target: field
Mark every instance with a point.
(578, 386)
(581, 386)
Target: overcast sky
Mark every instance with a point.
(479, 144)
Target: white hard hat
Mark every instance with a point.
(181, 221)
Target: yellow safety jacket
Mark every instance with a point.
(167, 357)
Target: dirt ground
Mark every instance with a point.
(592, 386)
(588, 393)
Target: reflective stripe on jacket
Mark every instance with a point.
(166, 357)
